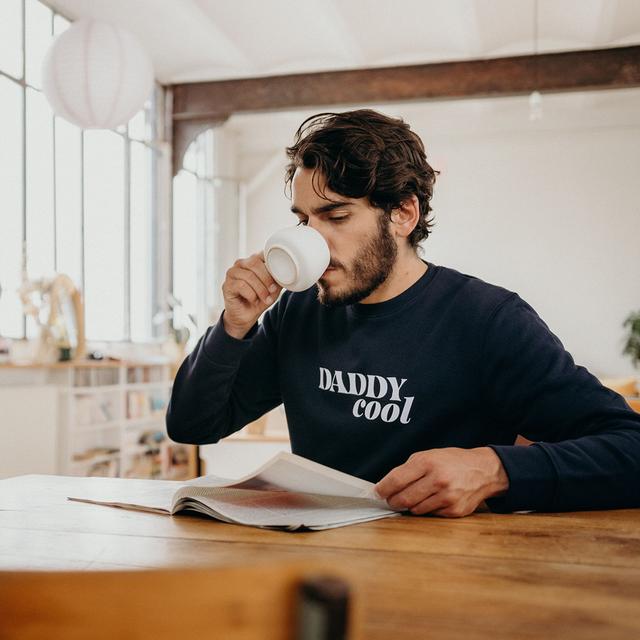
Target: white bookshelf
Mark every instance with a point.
(111, 419)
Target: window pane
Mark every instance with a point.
(38, 37)
(185, 248)
(60, 25)
(11, 207)
(204, 154)
(140, 124)
(104, 235)
(141, 265)
(39, 195)
(11, 37)
(68, 200)
(226, 232)
(212, 234)
(189, 161)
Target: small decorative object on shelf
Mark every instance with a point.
(632, 346)
(175, 460)
(63, 343)
(55, 304)
(143, 459)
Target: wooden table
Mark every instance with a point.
(485, 576)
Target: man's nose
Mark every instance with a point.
(319, 226)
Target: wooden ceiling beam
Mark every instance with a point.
(199, 104)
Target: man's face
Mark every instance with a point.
(363, 251)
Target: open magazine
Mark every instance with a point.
(288, 492)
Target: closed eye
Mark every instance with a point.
(337, 219)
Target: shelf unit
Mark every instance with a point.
(111, 420)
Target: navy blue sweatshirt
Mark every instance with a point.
(451, 362)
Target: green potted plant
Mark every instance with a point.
(632, 346)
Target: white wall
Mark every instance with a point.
(550, 209)
(554, 216)
(30, 430)
(267, 206)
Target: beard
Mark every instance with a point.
(370, 268)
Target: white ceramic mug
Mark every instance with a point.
(296, 257)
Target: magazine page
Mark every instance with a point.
(287, 492)
(289, 472)
(129, 493)
(279, 508)
(140, 495)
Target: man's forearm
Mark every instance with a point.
(199, 409)
(599, 471)
(223, 385)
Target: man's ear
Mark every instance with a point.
(405, 217)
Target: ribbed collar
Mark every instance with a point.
(399, 301)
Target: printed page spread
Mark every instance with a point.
(288, 492)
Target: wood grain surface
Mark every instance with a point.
(571, 575)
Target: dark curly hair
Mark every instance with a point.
(362, 154)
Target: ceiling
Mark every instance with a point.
(192, 40)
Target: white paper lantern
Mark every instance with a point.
(96, 75)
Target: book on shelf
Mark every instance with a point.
(142, 404)
(93, 410)
(97, 461)
(289, 492)
(103, 468)
(175, 460)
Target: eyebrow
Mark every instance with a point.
(326, 208)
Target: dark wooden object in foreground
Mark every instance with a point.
(270, 601)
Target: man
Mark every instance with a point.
(399, 371)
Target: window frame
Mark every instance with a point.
(157, 147)
(201, 162)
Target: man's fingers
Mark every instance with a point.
(429, 505)
(454, 511)
(252, 280)
(267, 278)
(397, 479)
(413, 494)
(439, 503)
(242, 289)
(256, 264)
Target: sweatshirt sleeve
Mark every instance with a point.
(587, 440)
(224, 384)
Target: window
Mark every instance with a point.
(11, 231)
(71, 201)
(205, 234)
(104, 233)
